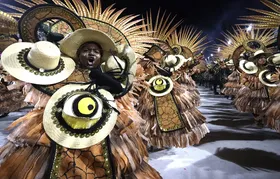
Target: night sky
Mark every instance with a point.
(211, 16)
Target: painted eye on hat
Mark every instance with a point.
(82, 110)
(159, 84)
(84, 105)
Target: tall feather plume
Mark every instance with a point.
(128, 25)
(189, 37)
(8, 24)
(265, 19)
(240, 35)
(162, 27)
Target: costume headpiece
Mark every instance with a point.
(37, 63)
(242, 41)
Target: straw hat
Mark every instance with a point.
(265, 78)
(259, 53)
(71, 43)
(174, 62)
(274, 59)
(77, 118)
(37, 63)
(248, 67)
(160, 85)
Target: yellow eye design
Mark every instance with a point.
(159, 84)
(82, 110)
(86, 105)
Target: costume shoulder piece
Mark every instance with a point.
(8, 28)
(46, 22)
(266, 19)
(162, 27)
(8, 24)
(187, 41)
(245, 42)
(122, 29)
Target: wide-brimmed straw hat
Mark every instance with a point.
(274, 59)
(175, 62)
(37, 63)
(248, 67)
(73, 42)
(77, 118)
(259, 53)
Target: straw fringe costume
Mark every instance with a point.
(252, 96)
(263, 21)
(232, 87)
(120, 155)
(11, 96)
(171, 119)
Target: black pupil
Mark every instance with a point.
(90, 107)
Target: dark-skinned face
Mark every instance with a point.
(90, 56)
(262, 60)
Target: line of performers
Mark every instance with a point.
(103, 87)
(252, 55)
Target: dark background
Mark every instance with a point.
(211, 16)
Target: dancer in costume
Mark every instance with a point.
(189, 42)
(269, 76)
(126, 147)
(219, 72)
(166, 105)
(232, 86)
(11, 95)
(253, 96)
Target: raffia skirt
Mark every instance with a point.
(272, 113)
(172, 120)
(233, 85)
(28, 152)
(10, 100)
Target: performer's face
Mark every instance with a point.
(262, 60)
(90, 55)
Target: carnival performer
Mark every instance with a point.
(165, 103)
(11, 94)
(89, 53)
(269, 76)
(232, 85)
(120, 155)
(253, 96)
(247, 50)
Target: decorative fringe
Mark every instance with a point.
(28, 143)
(24, 162)
(229, 91)
(255, 101)
(11, 101)
(189, 85)
(233, 85)
(195, 128)
(272, 113)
